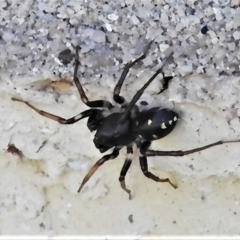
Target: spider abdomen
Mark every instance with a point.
(155, 123)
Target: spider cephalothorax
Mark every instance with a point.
(126, 126)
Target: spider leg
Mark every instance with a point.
(116, 97)
(141, 91)
(144, 167)
(124, 170)
(165, 84)
(95, 120)
(61, 120)
(146, 152)
(95, 167)
(91, 104)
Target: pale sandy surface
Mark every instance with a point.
(38, 193)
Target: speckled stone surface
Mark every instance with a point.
(38, 190)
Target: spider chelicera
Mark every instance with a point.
(122, 127)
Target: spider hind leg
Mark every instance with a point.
(144, 168)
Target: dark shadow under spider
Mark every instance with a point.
(127, 127)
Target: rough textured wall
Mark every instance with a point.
(38, 190)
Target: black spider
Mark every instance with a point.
(127, 126)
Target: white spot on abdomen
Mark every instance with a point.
(149, 122)
(175, 119)
(163, 126)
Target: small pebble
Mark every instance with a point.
(189, 11)
(65, 56)
(204, 29)
(144, 103)
(130, 218)
(108, 27)
(163, 47)
(98, 36)
(135, 20)
(113, 17)
(236, 35)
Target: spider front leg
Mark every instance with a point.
(61, 120)
(100, 162)
(140, 92)
(91, 104)
(124, 170)
(117, 98)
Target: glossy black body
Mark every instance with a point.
(148, 125)
(125, 126)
